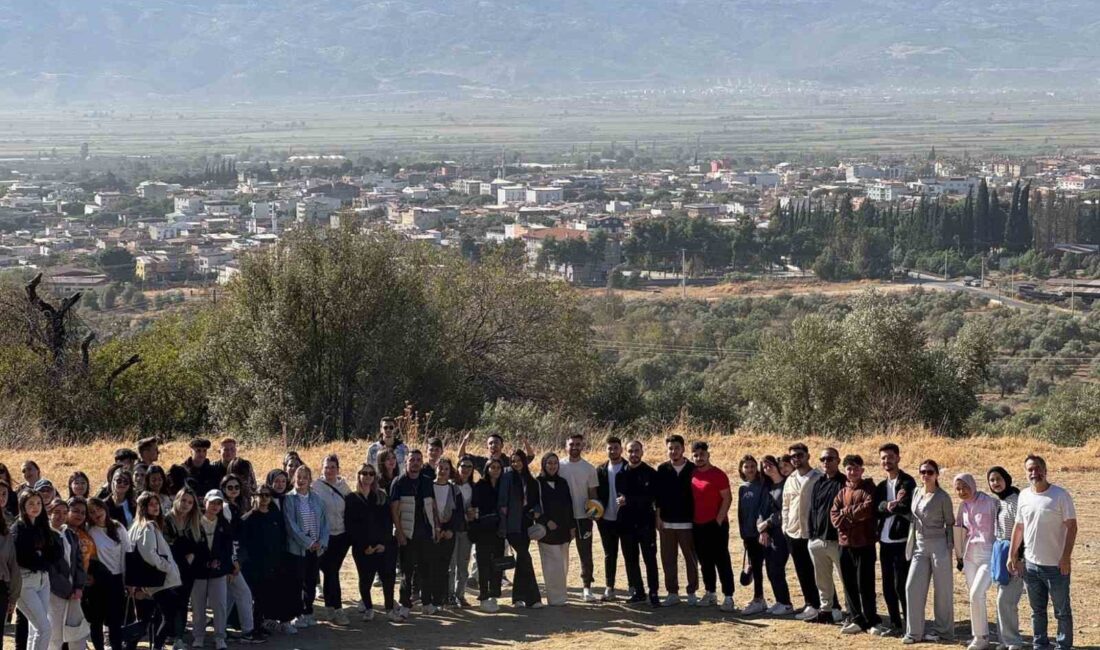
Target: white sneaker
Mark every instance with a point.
(727, 604)
(302, 622)
(978, 643)
(851, 628)
(908, 640)
(538, 605)
(755, 606)
(692, 600)
(808, 614)
(587, 596)
(395, 615)
(518, 604)
(708, 600)
(779, 609)
(882, 629)
(671, 600)
(489, 606)
(368, 616)
(341, 618)
(931, 638)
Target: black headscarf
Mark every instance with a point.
(1009, 489)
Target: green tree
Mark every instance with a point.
(118, 264)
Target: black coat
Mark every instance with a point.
(263, 543)
(557, 506)
(368, 522)
(821, 505)
(67, 573)
(603, 490)
(214, 560)
(674, 496)
(638, 487)
(206, 477)
(485, 527)
(182, 543)
(899, 528)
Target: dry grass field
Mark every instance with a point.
(642, 627)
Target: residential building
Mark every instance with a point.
(511, 194)
(543, 195)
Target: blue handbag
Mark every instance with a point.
(998, 564)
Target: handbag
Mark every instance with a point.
(998, 564)
(140, 573)
(76, 626)
(133, 628)
(536, 531)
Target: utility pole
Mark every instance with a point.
(982, 285)
(1072, 295)
(945, 265)
(683, 274)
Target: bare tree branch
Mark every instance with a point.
(121, 369)
(84, 345)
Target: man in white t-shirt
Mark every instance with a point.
(1046, 525)
(581, 477)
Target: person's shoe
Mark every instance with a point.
(233, 634)
(179, 644)
(288, 628)
(884, 630)
(196, 643)
(587, 596)
(302, 622)
(536, 605)
(377, 581)
(808, 614)
(635, 598)
(427, 610)
(908, 640)
(708, 600)
(931, 638)
(779, 609)
(672, 600)
(489, 607)
(395, 615)
(851, 628)
(609, 595)
(361, 608)
(838, 616)
(270, 625)
(755, 606)
(519, 604)
(727, 605)
(654, 600)
(978, 643)
(462, 603)
(341, 618)
(692, 600)
(252, 638)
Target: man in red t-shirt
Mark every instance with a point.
(710, 490)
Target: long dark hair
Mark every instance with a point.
(109, 524)
(244, 495)
(140, 517)
(72, 479)
(382, 475)
(4, 520)
(41, 523)
(158, 471)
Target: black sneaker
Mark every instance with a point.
(636, 598)
(252, 638)
(654, 600)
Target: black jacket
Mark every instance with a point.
(182, 543)
(206, 477)
(488, 514)
(821, 504)
(674, 496)
(217, 560)
(638, 486)
(36, 548)
(557, 506)
(367, 522)
(67, 573)
(899, 528)
(263, 540)
(603, 490)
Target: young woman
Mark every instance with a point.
(36, 549)
(11, 579)
(388, 440)
(484, 532)
(67, 577)
(213, 563)
(770, 526)
(177, 480)
(147, 538)
(291, 462)
(78, 523)
(279, 482)
(31, 474)
(387, 469)
(240, 592)
(242, 469)
(332, 490)
(449, 516)
(1008, 595)
(518, 500)
(105, 489)
(369, 526)
(931, 538)
(263, 533)
(156, 481)
(558, 517)
(785, 465)
(120, 503)
(79, 486)
(105, 598)
(5, 496)
(978, 515)
(181, 531)
(459, 572)
(752, 496)
(10, 504)
(307, 538)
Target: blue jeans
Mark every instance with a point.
(1043, 582)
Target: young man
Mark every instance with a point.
(824, 545)
(893, 499)
(607, 475)
(199, 468)
(583, 483)
(675, 510)
(494, 446)
(1046, 524)
(435, 452)
(388, 439)
(710, 493)
(853, 515)
(411, 500)
(148, 450)
(797, 495)
(227, 452)
(637, 485)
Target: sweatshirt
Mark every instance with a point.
(675, 502)
(853, 514)
(821, 505)
(797, 495)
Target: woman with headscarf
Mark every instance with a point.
(978, 515)
(519, 503)
(557, 516)
(931, 537)
(279, 481)
(1008, 595)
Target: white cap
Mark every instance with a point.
(213, 495)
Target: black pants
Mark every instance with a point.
(804, 570)
(436, 565)
(641, 542)
(857, 571)
(411, 555)
(168, 603)
(712, 547)
(524, 586)
(384, 565)
(584, 550)
(609, 538)
(756, 560)
(306, 573)
(331, 561)
(490, 549)
(775, 563)
(5, 598)
(23, 630)
(105, 604)
(895, 571)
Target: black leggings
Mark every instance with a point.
(169, 609)
(384, 565)
(307, 567)
(105, 604)
(756, 560)
(331, 561)
(490, 549)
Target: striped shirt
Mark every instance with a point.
(1006, 516)
(309, 517)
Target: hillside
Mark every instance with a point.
(55, 50)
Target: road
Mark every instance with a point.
(929, 281)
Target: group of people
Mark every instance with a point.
(151, 545)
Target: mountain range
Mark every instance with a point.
(246, 50)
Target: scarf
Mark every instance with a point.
(1009, 488)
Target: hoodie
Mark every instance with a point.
(853, 514)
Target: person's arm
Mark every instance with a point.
(724, 507)
(1065, 564)
(863, 509)
(462, 444)
(1017, 541)
(293, 529)
(903, 501)
(322, 524)
(395, 514)
(837, 514)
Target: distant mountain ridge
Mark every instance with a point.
(53, 50)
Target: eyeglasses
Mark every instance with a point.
(927, 472)
(232, 487)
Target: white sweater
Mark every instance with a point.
(150, 543)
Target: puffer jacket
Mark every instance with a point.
(853, 514)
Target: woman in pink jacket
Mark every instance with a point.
(978, 515)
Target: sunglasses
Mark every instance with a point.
(388, 428)
(232, 487)
(928, 472)
(829, 459)
(366, 473)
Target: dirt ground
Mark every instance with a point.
(640, 626)
(756, 289)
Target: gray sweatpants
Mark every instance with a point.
(213, 592)
(1008, 611)
(826, 557)
(240, 596)
(459, 571)
(931, 564)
